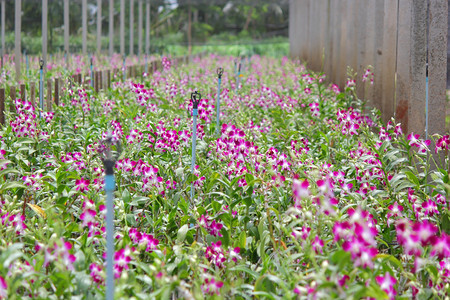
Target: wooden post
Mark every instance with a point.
(84, 26)
(12, 95)
(108, 79)
(66, 27)
(111, 27)
(437, 66)
(33, 94)
(2, 106)
(99, 26)
(57, 90)
(17, 28)
(147, 27)
(49, 95)
(44, 30)
(23, 95)
(139, 29)
(100, 82)
(328, 46)
(122, 27)
(336, 53)
(80, 79)
(96, 81)
(352, 42)
(131, 27)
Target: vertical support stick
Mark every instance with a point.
(218, 106)
(18, 23)
(92, 72)
(111, 27)
(84, 25)
(194, 145)
(41, 87)
(99, 27)
(33, 94)
(57, 91)
(44, 30)
(124, 69)
(122, 27)
(66, 27)
(49, 95)
(23, 95)
(108, 79)
(131, 27)
(2, 106)
(12, 95)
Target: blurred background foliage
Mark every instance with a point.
(224, 27)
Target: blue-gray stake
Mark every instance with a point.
(41, 87)
(27, 63)
(124, 69)
(219, 75)
(195, 97)
(92, 72)
(109, 163)
(238, 77)
(146, 65)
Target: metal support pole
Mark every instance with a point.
(109, 190)
(195, 97)
(219, 74)
(41, 87)
(124, 69)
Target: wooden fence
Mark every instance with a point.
(53, 87)
(396, 37)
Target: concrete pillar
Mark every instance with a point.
(388, 55)
(3, 27)
(66, 26)
(131, 27)
(361, 47)
(147, 27)
(17, 50)
(140, 13)
(84, 26)
(437, 66)
(44, 30)
(122, 27)
(99, 26)
(111, 27)
(377, 52)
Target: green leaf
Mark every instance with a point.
(181, 235)
(242, 241)
(12, 185)
(445, 223)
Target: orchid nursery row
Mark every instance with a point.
(299, 192)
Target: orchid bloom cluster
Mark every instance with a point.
(350, 121)
(89, 218)
(33, 181)
(48, 116)
(218, 256)
(211, 286)
(415, 141)
(368, 75)
(13, 222)
(210, 225)
(82, 99)
(59, 252)
(3, 288)
(75, 160)
(24, 124)
(122, 260)
(168, 140)
(147, 172)
(166, 63)
(359, 234)
(143, 96)
(143, 240)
